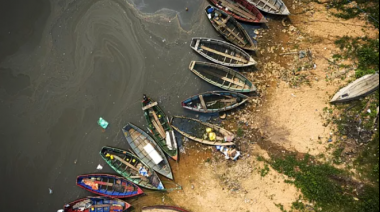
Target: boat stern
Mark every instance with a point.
(263, 20)
(139, 190)
(251, 62)
(286, 11)
(336, 98)
(126, 206)
(253, 88)
(175, 157)
(252, 48)
(192, 64)
(193, 43)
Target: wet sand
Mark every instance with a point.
(73, 62)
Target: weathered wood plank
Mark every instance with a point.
(224, 54)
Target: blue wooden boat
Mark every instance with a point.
(108, 185)
(91, 204)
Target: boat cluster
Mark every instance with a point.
(148, 155)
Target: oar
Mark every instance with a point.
(100, 206)
(125, 162)
(130, 166)
(160, 129)
(97, 182)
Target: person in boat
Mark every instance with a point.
(146, 100)
(211, 12)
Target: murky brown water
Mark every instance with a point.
(64, 64)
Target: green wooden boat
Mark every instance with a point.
(222, 77)
(159, 127)
(132, 168)
(147, 150)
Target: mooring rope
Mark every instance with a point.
(365, 12)
(177, 188)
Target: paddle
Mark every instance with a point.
(100, 206)
(130, 166)
(125, 162)
(160, 129)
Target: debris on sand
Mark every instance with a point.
(230, 153)
(302, 54)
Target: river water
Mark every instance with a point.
(64, 64)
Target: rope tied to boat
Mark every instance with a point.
(365, 12)
(177, 187)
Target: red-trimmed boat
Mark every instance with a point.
(163, 208)
(108, 185)
(91, 204)
(241, 10)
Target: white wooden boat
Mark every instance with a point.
(222, 52)
(359, 88)
(276, 7)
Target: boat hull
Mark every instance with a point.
(98, 201)
(104, 189)
(144, 176)
(221, 101)
(276, 8)
(230, 29)
(222, 77)
(222, 53)
(259, 17)
(357, 89)
(139, 140)
(227, 134)
(156, 118)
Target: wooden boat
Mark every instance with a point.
(108, 185)
(222, 77)
(222, 52)
(231, 30)
(162, 208)
(132, 168)
(241, 10)
(214, 102)
(91, 204)
(223, 137)
(276, 7)
(147, 150)
(359, 88)
(159, 127)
